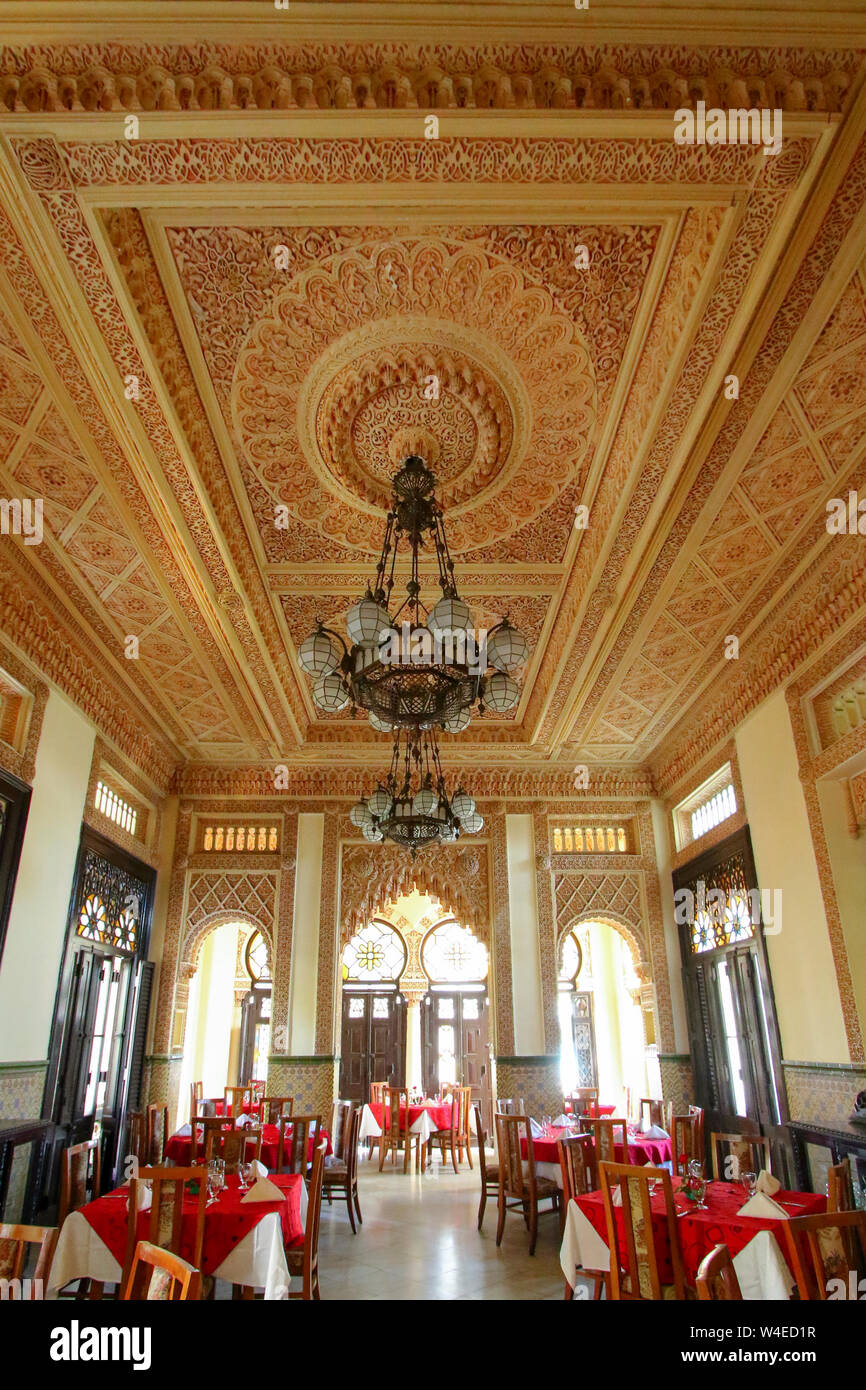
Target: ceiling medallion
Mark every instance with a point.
(415, 669)
(411, 806)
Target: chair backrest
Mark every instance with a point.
(505, 1106)
(734, 1154)
(257, 1088)
(482, 1138)
(377, 1092)
(341, 1115)
(395, 1099)
(685, 1140)
(352, 1138)
(274, 1107)
(164, 1225)
(608, 1132)
(840, 1189)
(79, 1177)
(196, 1093)
(241, 1145)
(206, 1138)
(827, 1253)
(628, 1097)
(235, 1098)
(698, 1114)
(462, 1107)
(294, 1146)
(14, 1241)
(136, 1134)
(653, 1111)
(577, 1164)
(156, 1121)
(636, 1261)
(717, 1279)
(314, 1212)
(582, 1097)
(156, 1274)
(516, 1174)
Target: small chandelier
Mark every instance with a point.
(416, 669)
(412, 806)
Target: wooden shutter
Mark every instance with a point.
(136, 1058)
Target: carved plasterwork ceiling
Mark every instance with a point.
(284, 302)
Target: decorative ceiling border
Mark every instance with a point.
(21, 763)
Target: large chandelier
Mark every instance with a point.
(414, 668)
(411, 806)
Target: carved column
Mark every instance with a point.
(164, 1062)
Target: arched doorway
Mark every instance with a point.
(373, 1035)
(255, 1012)
(454, 1018)
(602, 1036)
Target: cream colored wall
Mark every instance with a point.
(525, 962)
(663, 845)
(848, 864)
(38, 919)
(804, 979)
(215, 1010)
(305, 935)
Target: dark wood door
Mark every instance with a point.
(255, 1037)
(373, 1043)
(455, 1023)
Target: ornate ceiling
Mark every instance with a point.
(240, 306)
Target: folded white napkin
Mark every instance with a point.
(259, 1168)
(762, 1205)
(617, 1196)
(263, 1190)
(655, 1132)
(144, 1194)
(535, 1129)
(767, 1183)
(243, 1120)
(561, 1121)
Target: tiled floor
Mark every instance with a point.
(420, 1240)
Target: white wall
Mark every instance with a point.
(215, 1010)
(801, 962)
(38, 919)
(525, 962)
(305, 935)
(662, 837)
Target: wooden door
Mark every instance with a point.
(455, 1023)
(475, 1054)
(373, 1042)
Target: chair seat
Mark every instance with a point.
(335, 1168)
(546, 1187)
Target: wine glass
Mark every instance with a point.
(219, 1174)
(245, 1172)
(749, 1181)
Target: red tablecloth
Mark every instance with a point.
(440, 1115)
(227, 1220)
(592, 1109)
(640, 1150)
(248, 1107)
(700, 1231)
(178, 1146)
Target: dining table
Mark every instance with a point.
(425, 1118)
(759, 1257)
(177, 1150)
(244, 1242)
(641, 1149)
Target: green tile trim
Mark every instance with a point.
(23, 1066)
(528, 1061)
(319, 1061)
(163, 1057)
(675, 1057)
(826, 1066)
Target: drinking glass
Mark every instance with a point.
(245, 1172)
(749, 1181)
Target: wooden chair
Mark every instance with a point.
(840, 1189)
(341, 1171)
(341, 1115)
(274, 1107)
(196, 1093)
(157, 1274)
(396, 1133)
(80, 1177)
(489, 1178)
(136, 1135)
(377, 1092)
(294, 1147)
(717, 1279)
(235, 1098)
(510, 1107)
(205, 1138)
(257, 1088)
(685, 1139)
(826, 1251)
(164, 1219)
(156, 1133)
(582, 1097)
(608, 1133)
(239, 1146)
(634, 1259)
(518, 1179)
(628, 1097)
(304, 1261)
(14, 1241)
(456, 1136)
(579, 1175)
(655, 1112)
(746, 1153)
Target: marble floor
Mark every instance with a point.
(420, 1240)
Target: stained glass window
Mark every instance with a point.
(452, 954)
(257, 960)
(380, 1008)
(111, 901)
(589, 839)
(356, 1006)
(722, 907)
(375, 953)
(571, 959)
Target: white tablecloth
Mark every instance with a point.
(371, 1129)
(257, 1260)
(760, 1265)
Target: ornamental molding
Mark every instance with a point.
(223, 785)
(399, 76)
(21, 763)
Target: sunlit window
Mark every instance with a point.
(374, 953)
(590, 839)
(245, 839)
(452, 954)
(115, 808)
(712, 812)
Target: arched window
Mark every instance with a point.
(452, 954)
(374, 954)
(570, 961)
(256, 958)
